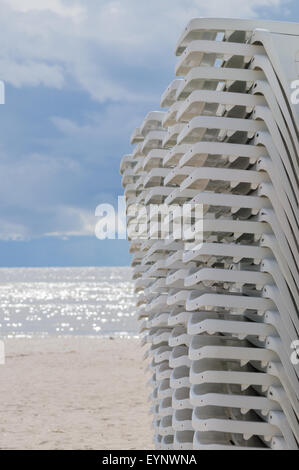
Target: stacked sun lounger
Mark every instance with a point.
(218, 302)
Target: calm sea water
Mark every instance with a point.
(66, 301)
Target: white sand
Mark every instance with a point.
(74, 393)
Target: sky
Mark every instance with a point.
(79, 76)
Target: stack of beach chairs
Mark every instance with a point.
(218, 299)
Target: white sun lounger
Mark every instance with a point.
(218, 308)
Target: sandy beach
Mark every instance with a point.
(74, 393)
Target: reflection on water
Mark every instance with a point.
(66, 301)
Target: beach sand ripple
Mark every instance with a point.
(74, 393)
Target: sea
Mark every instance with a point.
(88, 301)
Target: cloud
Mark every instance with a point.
(54, 6)
(12, 230)
(67, 221)
(94, 44)
(31, 73)
(55, 193)
(92, 70)
(72, 221)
